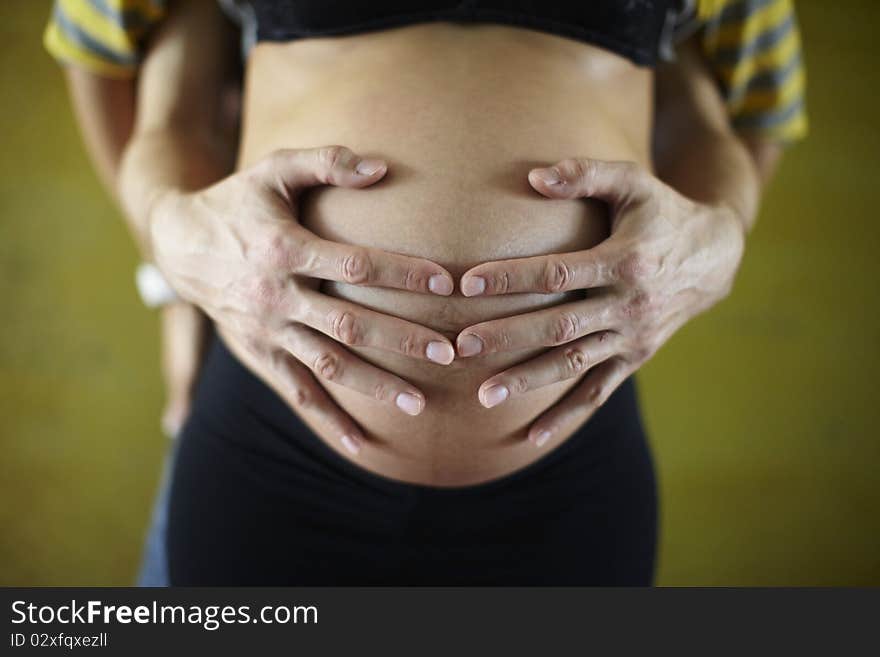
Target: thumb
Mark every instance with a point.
(297, 169)
(612, 182)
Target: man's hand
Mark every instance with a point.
(667, 259)
(237, 251)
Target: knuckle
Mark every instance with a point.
(327, 365)
(277, 253)
(594, 395)
(275, 361)
(556, 277)
(410, 345)
(302, 397)
(345, 327)
(576, 361)
(263, 296)
(331, 156)
(605, 391)
(356, 267)
(498, 340)
(564, 328)
(414, 280)
(636, 268)
(637, 307)
(500, 282)
(382, 392)
(518, 384)
(576, 168)
(643, 306)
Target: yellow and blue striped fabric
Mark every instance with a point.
(102, 36)
(753, 48)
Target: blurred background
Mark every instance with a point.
(764, 414)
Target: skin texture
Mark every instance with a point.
(673, 252)
(457, 200)
(179, 147)
(457, 187)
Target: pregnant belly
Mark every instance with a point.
(455, 439)
(456, 193)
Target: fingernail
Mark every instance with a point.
(351, 443)
(409, 403)
(439, 284)
(541, 438)
(469, 345)
(549, 176)
(440, 352)
(473, 286)
(494, 395)
(368, 167)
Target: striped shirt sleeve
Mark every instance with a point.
(754, 50)
(102, 36)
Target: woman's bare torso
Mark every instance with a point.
(461, 113)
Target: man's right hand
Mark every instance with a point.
(237, 250)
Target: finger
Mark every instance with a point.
(596, 267)
(542, 328)
(612, 182)
(587, 396)
(357, 265)
(306, 396)
(296, 169)
(560, 364)
(296, 385)
(331, 362)
(357, 326)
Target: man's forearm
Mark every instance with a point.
(104, 110)
(182, 139)
(167, 159)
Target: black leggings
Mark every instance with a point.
(258, 499)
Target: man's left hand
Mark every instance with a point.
(667, 259)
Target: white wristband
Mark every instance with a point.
(152, 286)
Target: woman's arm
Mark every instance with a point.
(676, 242)
(696, 151)
(104, 108)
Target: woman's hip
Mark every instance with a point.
(257, 498)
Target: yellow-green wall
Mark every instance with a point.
(763, 413)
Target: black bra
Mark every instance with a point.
(634, 29)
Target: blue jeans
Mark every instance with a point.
(154, 563)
